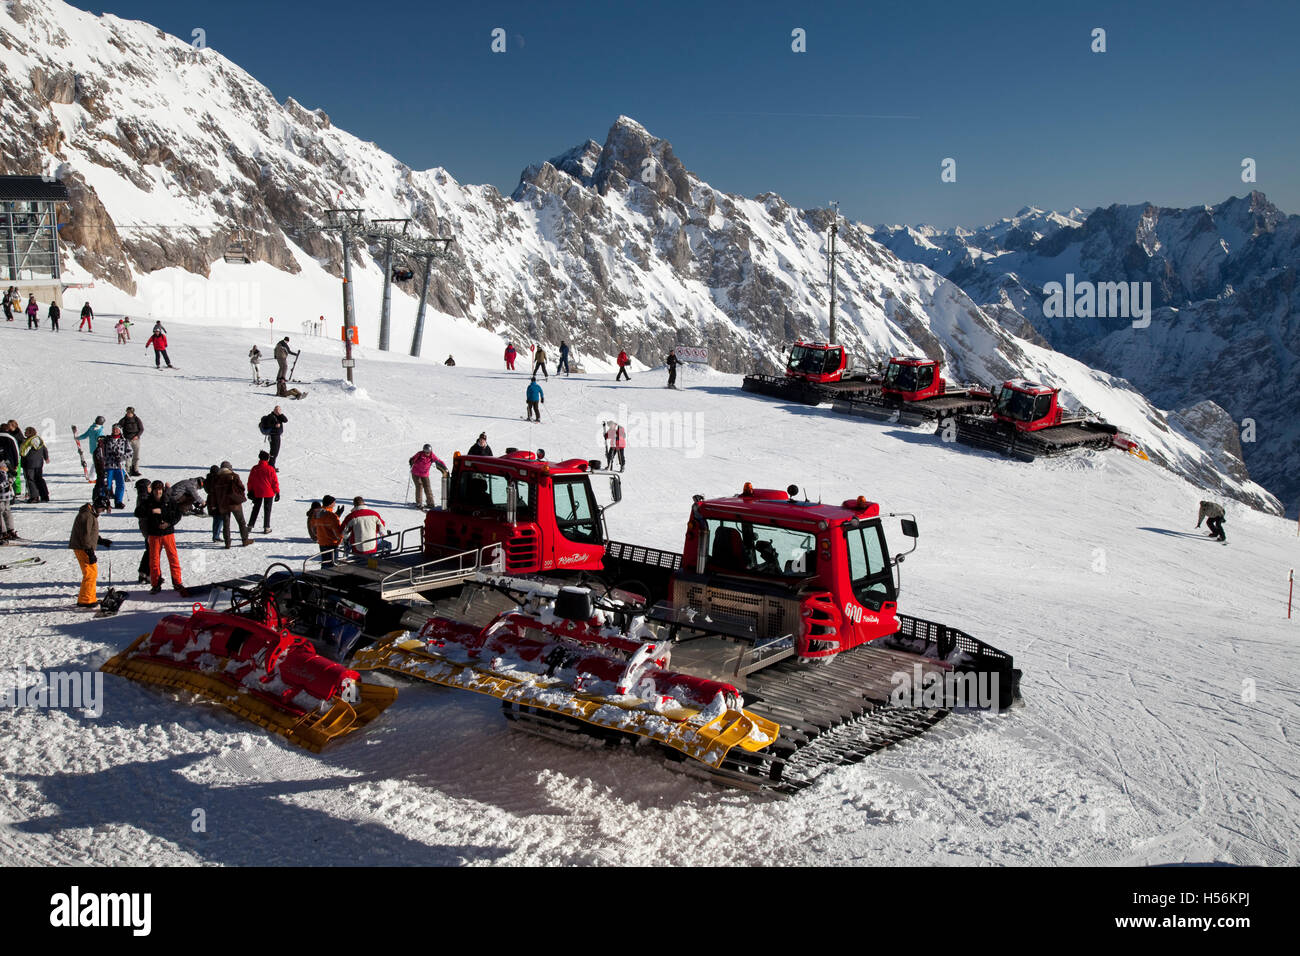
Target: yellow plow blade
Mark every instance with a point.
(312, 730)
(706, 741)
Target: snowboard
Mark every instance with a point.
(111, 602)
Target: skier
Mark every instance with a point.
(329, 529)
(282, 390)
(160, 519)
(54, 313)
(117, 452)
(187, 495)
(7, 532)
(11, 454)
(539, 362)
(450, 361)
(534, 396)
(8, 305)
(615, 445)
(1213, 516)
(282, 353)
(363, 527)
(422, 462)
(255, 356)
(83, 542)
(563, 363)
(227, 491)
(126, 327)
(93, 434)
(510, 356)
(263, 488)
(671, 362)
(35, 455)
(33, 310)
(272, 426)
(623, 363)
(158, 328)
(480, 447)
(132, 430)
(87, 318)
(120, 329)
(159, 342)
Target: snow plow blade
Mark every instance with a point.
(278, 701)
(707, 735)
(991, 435)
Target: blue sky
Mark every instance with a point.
(884, 93)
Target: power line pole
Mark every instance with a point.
(835, 228)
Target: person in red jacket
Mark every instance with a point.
(511, 354)
(159, 342)
(623, 363)
(263, 488)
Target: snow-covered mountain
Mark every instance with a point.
(169, 149)
(1225, 319)
(943, 249)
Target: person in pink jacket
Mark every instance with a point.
(263, 488)
(423, 462)
(511, 354)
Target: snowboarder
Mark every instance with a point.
(54, 313)
(35, 455)
(329, 529)
(117, 453)
(539, 362)
(511, 354)
(254, 357)
(83, 542)
(671, 362)
(450, 361)
(615, 445)
(535, 399)
(623, 363)
(227, 491)
(7, 532)
(422, 462)
(87, 318)
(272, 426)
(363, 529)
(282, 353)
(1213, 516)
(33, 310)
(481, 447)
(263, 488)
(159, 342)
(563, 364)
(132, 430)
(160, 519)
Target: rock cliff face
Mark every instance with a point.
(170, 151)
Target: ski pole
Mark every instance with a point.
(406, 495)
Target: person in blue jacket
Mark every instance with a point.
(563, 365)
(535, 400)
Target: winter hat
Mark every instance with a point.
(327, 501)
(117, 429)
(142, 485)
(227, 466)
(263, 456)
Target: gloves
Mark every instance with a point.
(105, 543)
(90, 557)
(277, 496)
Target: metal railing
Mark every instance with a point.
(443, 571)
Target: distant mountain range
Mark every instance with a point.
(168, 149)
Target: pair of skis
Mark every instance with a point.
(82, 455)
(22, 563)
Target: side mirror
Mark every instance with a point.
(908, 527)
(616, 488)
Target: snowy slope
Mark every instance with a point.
(1137, 742)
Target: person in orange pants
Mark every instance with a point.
(160, 517)
(83, 542)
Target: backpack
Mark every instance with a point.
(101, 500)
(268, 423)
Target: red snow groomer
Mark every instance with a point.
(914, 391)
(1027, 421)
(815, 372)
(257, 670)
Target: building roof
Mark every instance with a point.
(31, 188)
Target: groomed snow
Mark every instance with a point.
(1140, 641)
